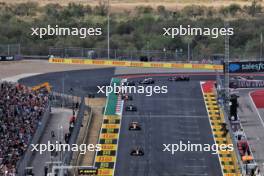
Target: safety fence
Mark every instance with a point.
(136, 64)
(228, 159)
(117, 54)
(243, 151)
(10, 50)
(26, 159)
(80, 108)
(64, 100)
(56, 100)
(164, 54)
(74, 134)
(82, 139)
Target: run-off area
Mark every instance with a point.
(179, 115)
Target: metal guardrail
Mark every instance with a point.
(84, 139)
(25, 160)
(86, 132)
(227, 121)
(64, 100)
(117, 54)
(68, 101)
(68, 155)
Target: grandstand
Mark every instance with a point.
(21, 110)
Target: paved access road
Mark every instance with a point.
(167, 119)
(252, 121)
(59, 123)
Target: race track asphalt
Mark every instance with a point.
(169, 118)
(83, 82)
(165, 118)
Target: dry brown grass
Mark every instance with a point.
(118, 5)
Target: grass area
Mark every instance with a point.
(131, 4)
(112, 99)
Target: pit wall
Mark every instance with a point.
(227, 159)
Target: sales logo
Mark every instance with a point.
(234, 67)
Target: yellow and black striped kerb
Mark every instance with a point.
(227, 159)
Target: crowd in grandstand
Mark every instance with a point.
(21, 110)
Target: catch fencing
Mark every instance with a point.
(74, 135)
(56, 100)
(117, 54)
(25, 160)
(10, 50)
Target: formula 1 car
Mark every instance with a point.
(128, 83)
(134, 126)
(137, 152)
(236, 80)
(179, 78)
(127, 97)
(242, 78)
(147, 81)
(233, 85)
(131, 108)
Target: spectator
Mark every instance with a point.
(20, 113)
(72, 120)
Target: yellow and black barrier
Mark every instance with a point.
(228, 159)
(105, 160)
(136, 64)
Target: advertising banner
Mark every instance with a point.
(245, 67)
(7, 58)
(136, 64)
(247, 84)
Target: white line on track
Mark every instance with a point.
(168, 116)
(259, 116)
(194, 159)
(202, 166)
(195, 174)
(212, 133)
(170, 98)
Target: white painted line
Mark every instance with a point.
(259, 116)
(101, 126)
(170, 116)
(16, 78)
(201, 83)
(195, 174)
(202, 166)
(121, 112)
(194, 159)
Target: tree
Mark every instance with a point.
(254, 8)
(52, 10)
(101, 9)
(26, 9)
(234, 9)
(162, 11)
